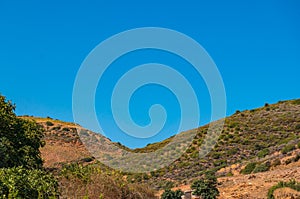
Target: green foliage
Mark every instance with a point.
(169, 194)
(20, 160)
(297, 158)
(20, 139)
(166, 184)
(83, 173)
(288, 148)
(291, 184)
(249, 168)
(297, 101)
(263, 153)
(23, 183)
(66, 129)
(206, 187)
(229, 174)
(262, 168)
(48, 123)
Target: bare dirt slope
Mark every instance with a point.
(257, 185)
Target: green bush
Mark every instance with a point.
(66, 129)
(291, 184)
(297, 158)
(48, 123)
(249, 168)
(18, 182)
(261, 168)
(169, 194)
(229, 174)
(287, 148)
(206, 187)
(263, 153)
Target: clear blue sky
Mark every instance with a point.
(255, 44)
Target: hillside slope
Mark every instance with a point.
(258, 135)
(267, 137)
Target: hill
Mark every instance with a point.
(256, 149)
(260, 135)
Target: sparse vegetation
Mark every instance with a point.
(288, 148)
(96, 180)
(249, 168)
(291, 184)
(263, 153)
(263, 167)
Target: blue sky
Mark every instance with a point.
(255, 44)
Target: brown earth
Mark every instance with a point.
(256, 186)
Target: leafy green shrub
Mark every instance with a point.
(66, 129)
(233, 124)
(229, 174)
(288, 161)
(206, 187)
(20, 139)
(249, 168)
(266, 104)
(48, 123)
(297, 158)
(263, 153)
(232, 151)
(262, 168)
(87, 159)
(167, 184)
(18, 182)
(288, 148)
(169, 194)
(291, 184)
(56, 128)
